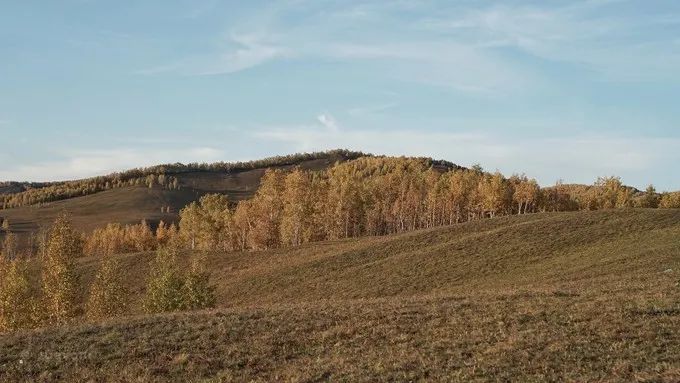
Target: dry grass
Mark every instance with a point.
(549, 297)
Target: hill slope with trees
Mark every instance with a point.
(587, 295)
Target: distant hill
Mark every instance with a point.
(131, 204)
(582, 296)
(127, 198)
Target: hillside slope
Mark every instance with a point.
(130, 205)
(567, 296)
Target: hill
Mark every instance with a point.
(576, 296)
(131, 204)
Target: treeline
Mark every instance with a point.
(163, 175)
(380, 195)
(173, 284)
(116, 238)
(71, 189)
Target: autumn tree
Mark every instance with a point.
(526, 194)
(59, 277)
(267, 209)
(16, 300)
(10, 246)
(165, 233)
(243, 224)
(140, 237)
(108, 296)
(296, 219)
(495, 193)
(198, 293)
(670, 200)
(164, 289)
(170, 288)
(650, 199)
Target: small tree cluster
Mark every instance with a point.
(170, 288)
(115, 238)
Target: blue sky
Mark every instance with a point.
(559, 90)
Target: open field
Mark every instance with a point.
(586, 296)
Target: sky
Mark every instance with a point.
(567, 90)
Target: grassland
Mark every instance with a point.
(586, 296)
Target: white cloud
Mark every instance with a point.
(328, 121)
(88, 163)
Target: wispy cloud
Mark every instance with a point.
(582, 33)
(247, 51)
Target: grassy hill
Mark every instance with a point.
(583, 296)
(130, 205)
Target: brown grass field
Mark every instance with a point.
(583, 296)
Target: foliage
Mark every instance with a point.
(169, 288)
(108, 295)
(59, 277)
(16, 299)
(115, 239)
(670, 200)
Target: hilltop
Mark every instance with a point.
(577, 296)
(153, 194)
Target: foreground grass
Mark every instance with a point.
(588, 296)
(515, 336)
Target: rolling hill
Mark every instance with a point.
(131, 204)
(574, 296)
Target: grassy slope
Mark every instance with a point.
(576, 296)
(129, 205)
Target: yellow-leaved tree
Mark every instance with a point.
(59, 277)
(108, 295)
(16, 301)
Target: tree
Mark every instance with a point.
(10, 246)
(670, 200)
(198, 293)
(267, 208)
(650, 199)
(495, 193)
(296, 219)
(16, 300)
(140, 237)
(190, 224)
(611, 193)
(243, 224)
(59, 278)
(526, 194)
(108, 295)
(164, 289)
